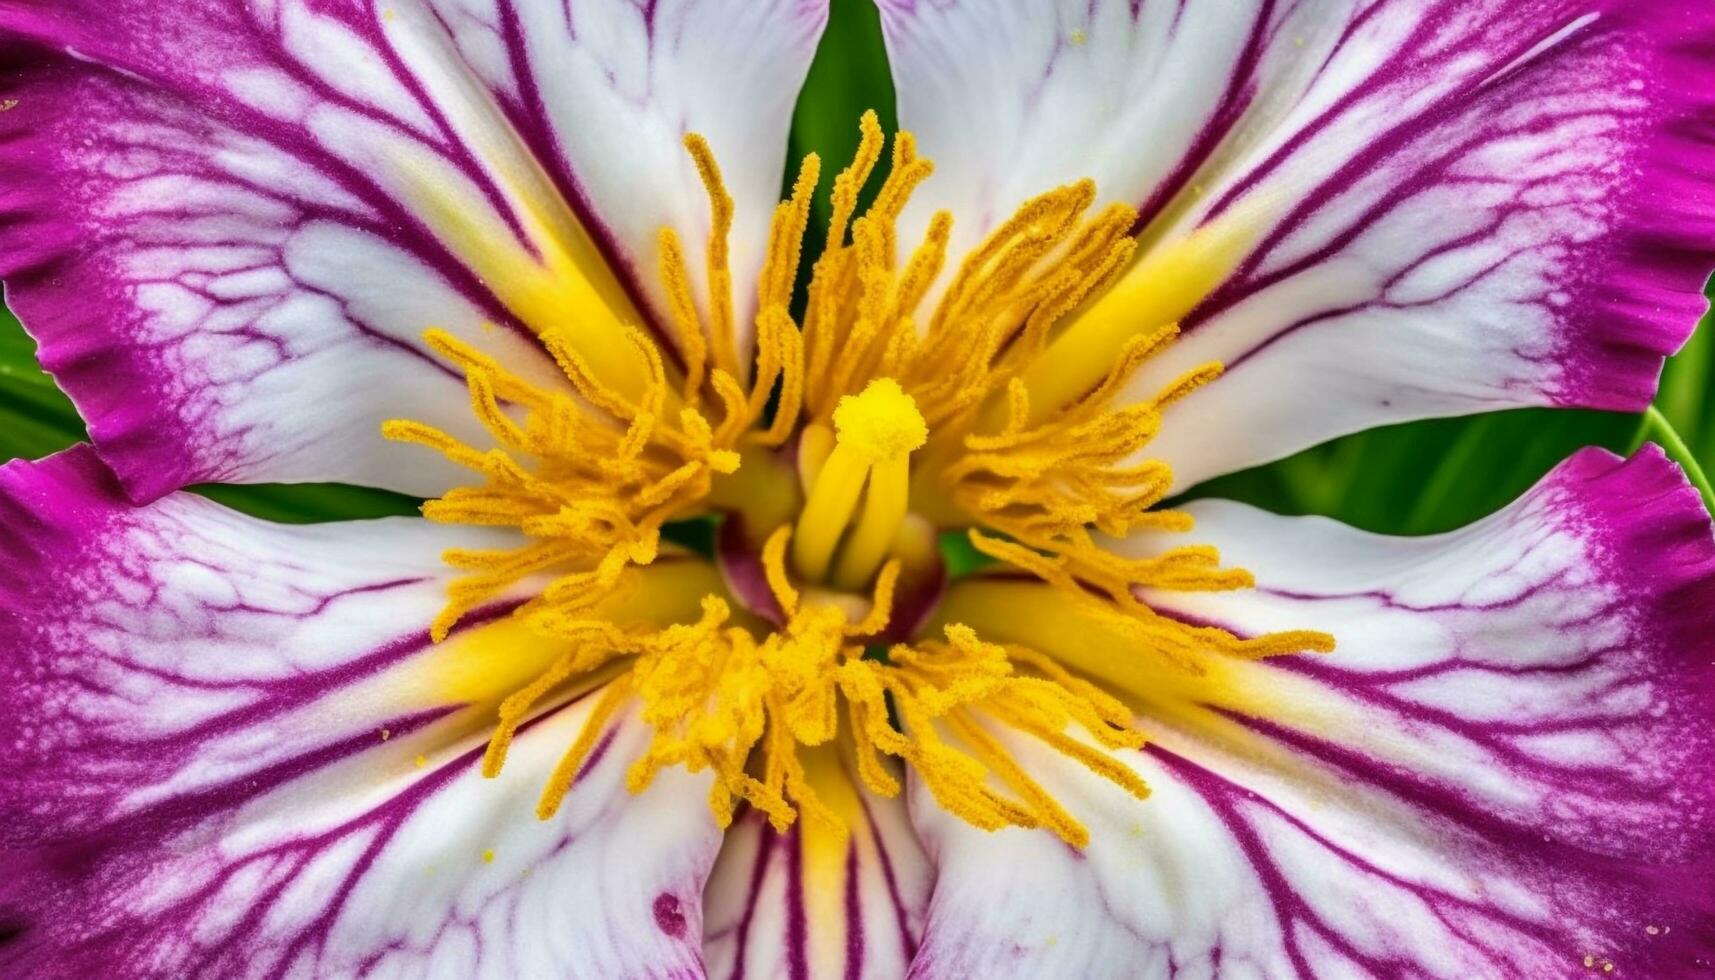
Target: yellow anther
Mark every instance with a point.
(589, 479)
(774, 568)
(572, 762)
(721, 699)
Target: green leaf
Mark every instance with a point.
(309, 503)
(848, 77)
(699, 534)
(1425, 477)
(961, 556)
(35, 418)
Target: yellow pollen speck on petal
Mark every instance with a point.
(488, 856)
(881, 423)
(420, 761)
(7, 105)
(1078, 37)
(386, 733)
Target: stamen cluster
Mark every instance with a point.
(862, 429)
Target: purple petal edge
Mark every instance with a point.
(46, 507)
(1651, 534)
(1651, 530)
(113, 382)
(1649, 294)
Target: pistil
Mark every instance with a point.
(875, 434)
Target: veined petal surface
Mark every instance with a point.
(813, 902)
(234, 753)
(1444, 206)
(1506, 769)
(228, 224)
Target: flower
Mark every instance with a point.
(533, 736)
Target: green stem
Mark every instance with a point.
(1656, 426)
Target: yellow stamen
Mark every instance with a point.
(722, 700)
(720, 275)
(1003, 405)
(560, 783)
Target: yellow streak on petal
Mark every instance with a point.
(555, 280)
(1156, 291)
(824, 851)
(484, 664)
(1183, 695)
(549, 273)
(1100, 646)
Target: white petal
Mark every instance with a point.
(815, 903)
(229, 224)
(235, 753)
(1448, 206)
(1506, 766)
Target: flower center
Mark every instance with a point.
(859, 432)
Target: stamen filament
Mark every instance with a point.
(814, 446)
